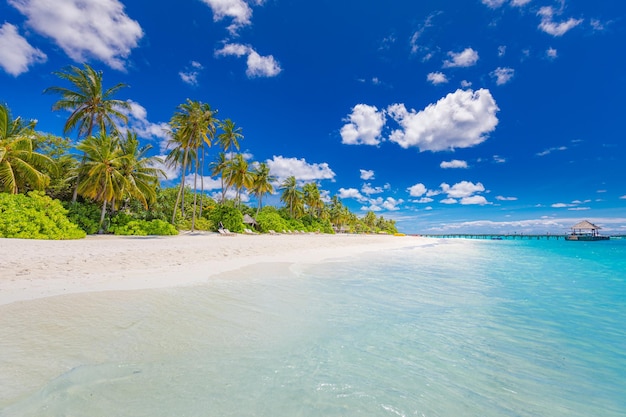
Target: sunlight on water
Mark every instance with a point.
(471, 329)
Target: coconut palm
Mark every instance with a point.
(140, 170)
(103, 178)
(193, 127)
(238, 175)
(291, 195)
(19, 164)
(261, 183)
(91, 106)
(229, 139)
(312, 198)
(218, 167)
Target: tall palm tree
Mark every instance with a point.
(239, 175)
(261, 183)
(19, 164)
(229, 139)
(103, 170)
(193, 127)
(291, 195)
(140, 170)
(312, 198)
(218, 167)
(91, 106)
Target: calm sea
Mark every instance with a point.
(458, 328)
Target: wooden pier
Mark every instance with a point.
(514, 236)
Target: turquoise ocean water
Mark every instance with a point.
(473, 328)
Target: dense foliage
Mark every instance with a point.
(108, 183)
(35, 216)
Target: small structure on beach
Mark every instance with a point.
(585, 231)
(247, 219)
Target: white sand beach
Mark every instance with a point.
(32, 269)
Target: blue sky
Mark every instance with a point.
(447, 116)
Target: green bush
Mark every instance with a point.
(144, 228)
(85, 215)
(230, 217)
(271, 220)
(35, 216)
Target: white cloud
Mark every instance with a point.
(351, 193)
(474, 200)
(551, 27)
(551, 53)
(519, 3)
(499, 159)
(623, 197)
(138, 122)
(380, 204)
(16, 54)
(467, 58)
(455, 163)
(501, 198)
(417, 190)
(171, 172)
(503, 75)
(448, 201)
(501, 50)
(257, 65)
(84, 29)
(364, 127)
(550, 150)
(238, 10)
(190, 75)
(493, 3)
(462, 189)
(466, 84)
(437, 78)
(367, 174)
(460, 120)
(561, 205)
(282, 168)
(423, 200)
(367, 189)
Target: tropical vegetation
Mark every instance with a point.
(105, 181)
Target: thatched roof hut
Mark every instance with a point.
(585, 227)
(247, 219)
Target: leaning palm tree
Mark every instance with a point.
(261, 183)
(219, 167)
(19, 164)
(193, 128)
(229, 139)
(291, 195)
(90, 105)
(312, 198)
(103, 176)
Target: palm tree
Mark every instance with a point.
(91, 106)
(193, 127)
(228, 139)
(261, 183)
(312, 198)
(140, 170)
(291, 195)
(218, 167)
(239, 175)
(18, 162)
(104, 178)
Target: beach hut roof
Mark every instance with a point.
(247, 219)
(585, 225)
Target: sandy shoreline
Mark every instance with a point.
(33, 269)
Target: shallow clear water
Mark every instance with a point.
(481, 328)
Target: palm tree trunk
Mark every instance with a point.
(180, 191)
(202, 183)
(102, 214)
(195, 195)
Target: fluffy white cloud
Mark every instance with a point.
(238, 10)
(553, 28)
(493, 3)
(455, 163)
(466, 58)
(138, 122)
(171, 172)
(502, 198)
(462, 189)
(460, 120)
(84, 29)
(379, 204)
(417, 190)
(369, 190)
(208, 183)
(351, 193)
(550, 150)
(282, 168)
(474, 200)
(623, 197)
(519, 3)
(257, 65)
(364, 126)
(16, 54)
(367, 174)
(449, 201)
(503, 75)
(437, 78)
(551, 53)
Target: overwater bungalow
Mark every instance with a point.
(585, 231)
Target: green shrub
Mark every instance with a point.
(271, 220)
(144, 228)
(35, 216)
(85, 215)
(230, 217)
